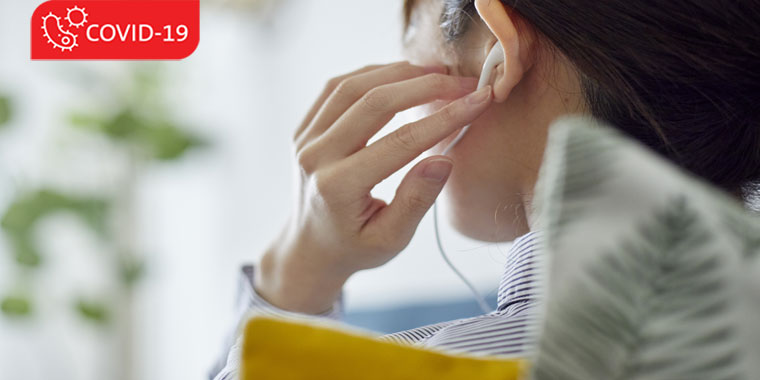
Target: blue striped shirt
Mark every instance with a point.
(510, 330)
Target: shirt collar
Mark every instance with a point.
(519, 281)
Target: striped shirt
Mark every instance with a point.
(510, 330)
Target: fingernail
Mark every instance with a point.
(479, 96)
(438, 170)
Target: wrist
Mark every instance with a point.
(298, 284)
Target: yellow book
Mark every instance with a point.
(288, 350)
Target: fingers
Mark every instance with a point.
(413, 199)
(384, 157)
(329, 88)
(351, 89)
(378, 106)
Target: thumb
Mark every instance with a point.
(414, 197)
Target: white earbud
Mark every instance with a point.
(495, 57)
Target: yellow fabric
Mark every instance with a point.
(285, 350)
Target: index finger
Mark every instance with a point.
(386, 156)
(326, 91)
(364, 119)
(353, 88)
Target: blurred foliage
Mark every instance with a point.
(16, 306)
(139, 124)
(131, 269)
(140, 120)
(157, 138)
(5, 110)
(93, 311)
(23, 214)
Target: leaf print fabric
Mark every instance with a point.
(652, 272)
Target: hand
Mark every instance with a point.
(337, 227)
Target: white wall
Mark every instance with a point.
(246, 89)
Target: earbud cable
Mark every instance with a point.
(495, 56)
(479, 298)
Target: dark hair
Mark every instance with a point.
(681, 76)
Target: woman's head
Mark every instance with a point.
(681, 76)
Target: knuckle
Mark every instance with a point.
(296, 136)
(347, 88)
(307, 160)
(417, 202)
(333, 83)
(402, 65)
(403, 68)
(300, 144)
(437, 81)
(388, 241)
(405, 137)
(294, 150)
(325, 182)
(398, 239)
(377, 100)
(447, 114)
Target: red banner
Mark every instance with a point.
(115, 29)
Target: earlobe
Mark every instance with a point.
(503, 26)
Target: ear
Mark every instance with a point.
(517, 48)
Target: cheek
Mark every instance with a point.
(423, 41)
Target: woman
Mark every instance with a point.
(679, 76)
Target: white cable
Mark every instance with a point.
(495, 56)
(481, 301)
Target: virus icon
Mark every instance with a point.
(56, 35)
(76, 17)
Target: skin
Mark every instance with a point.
(337, 228)
(489, 192)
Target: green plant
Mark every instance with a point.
(141, 128)
(5, 110)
